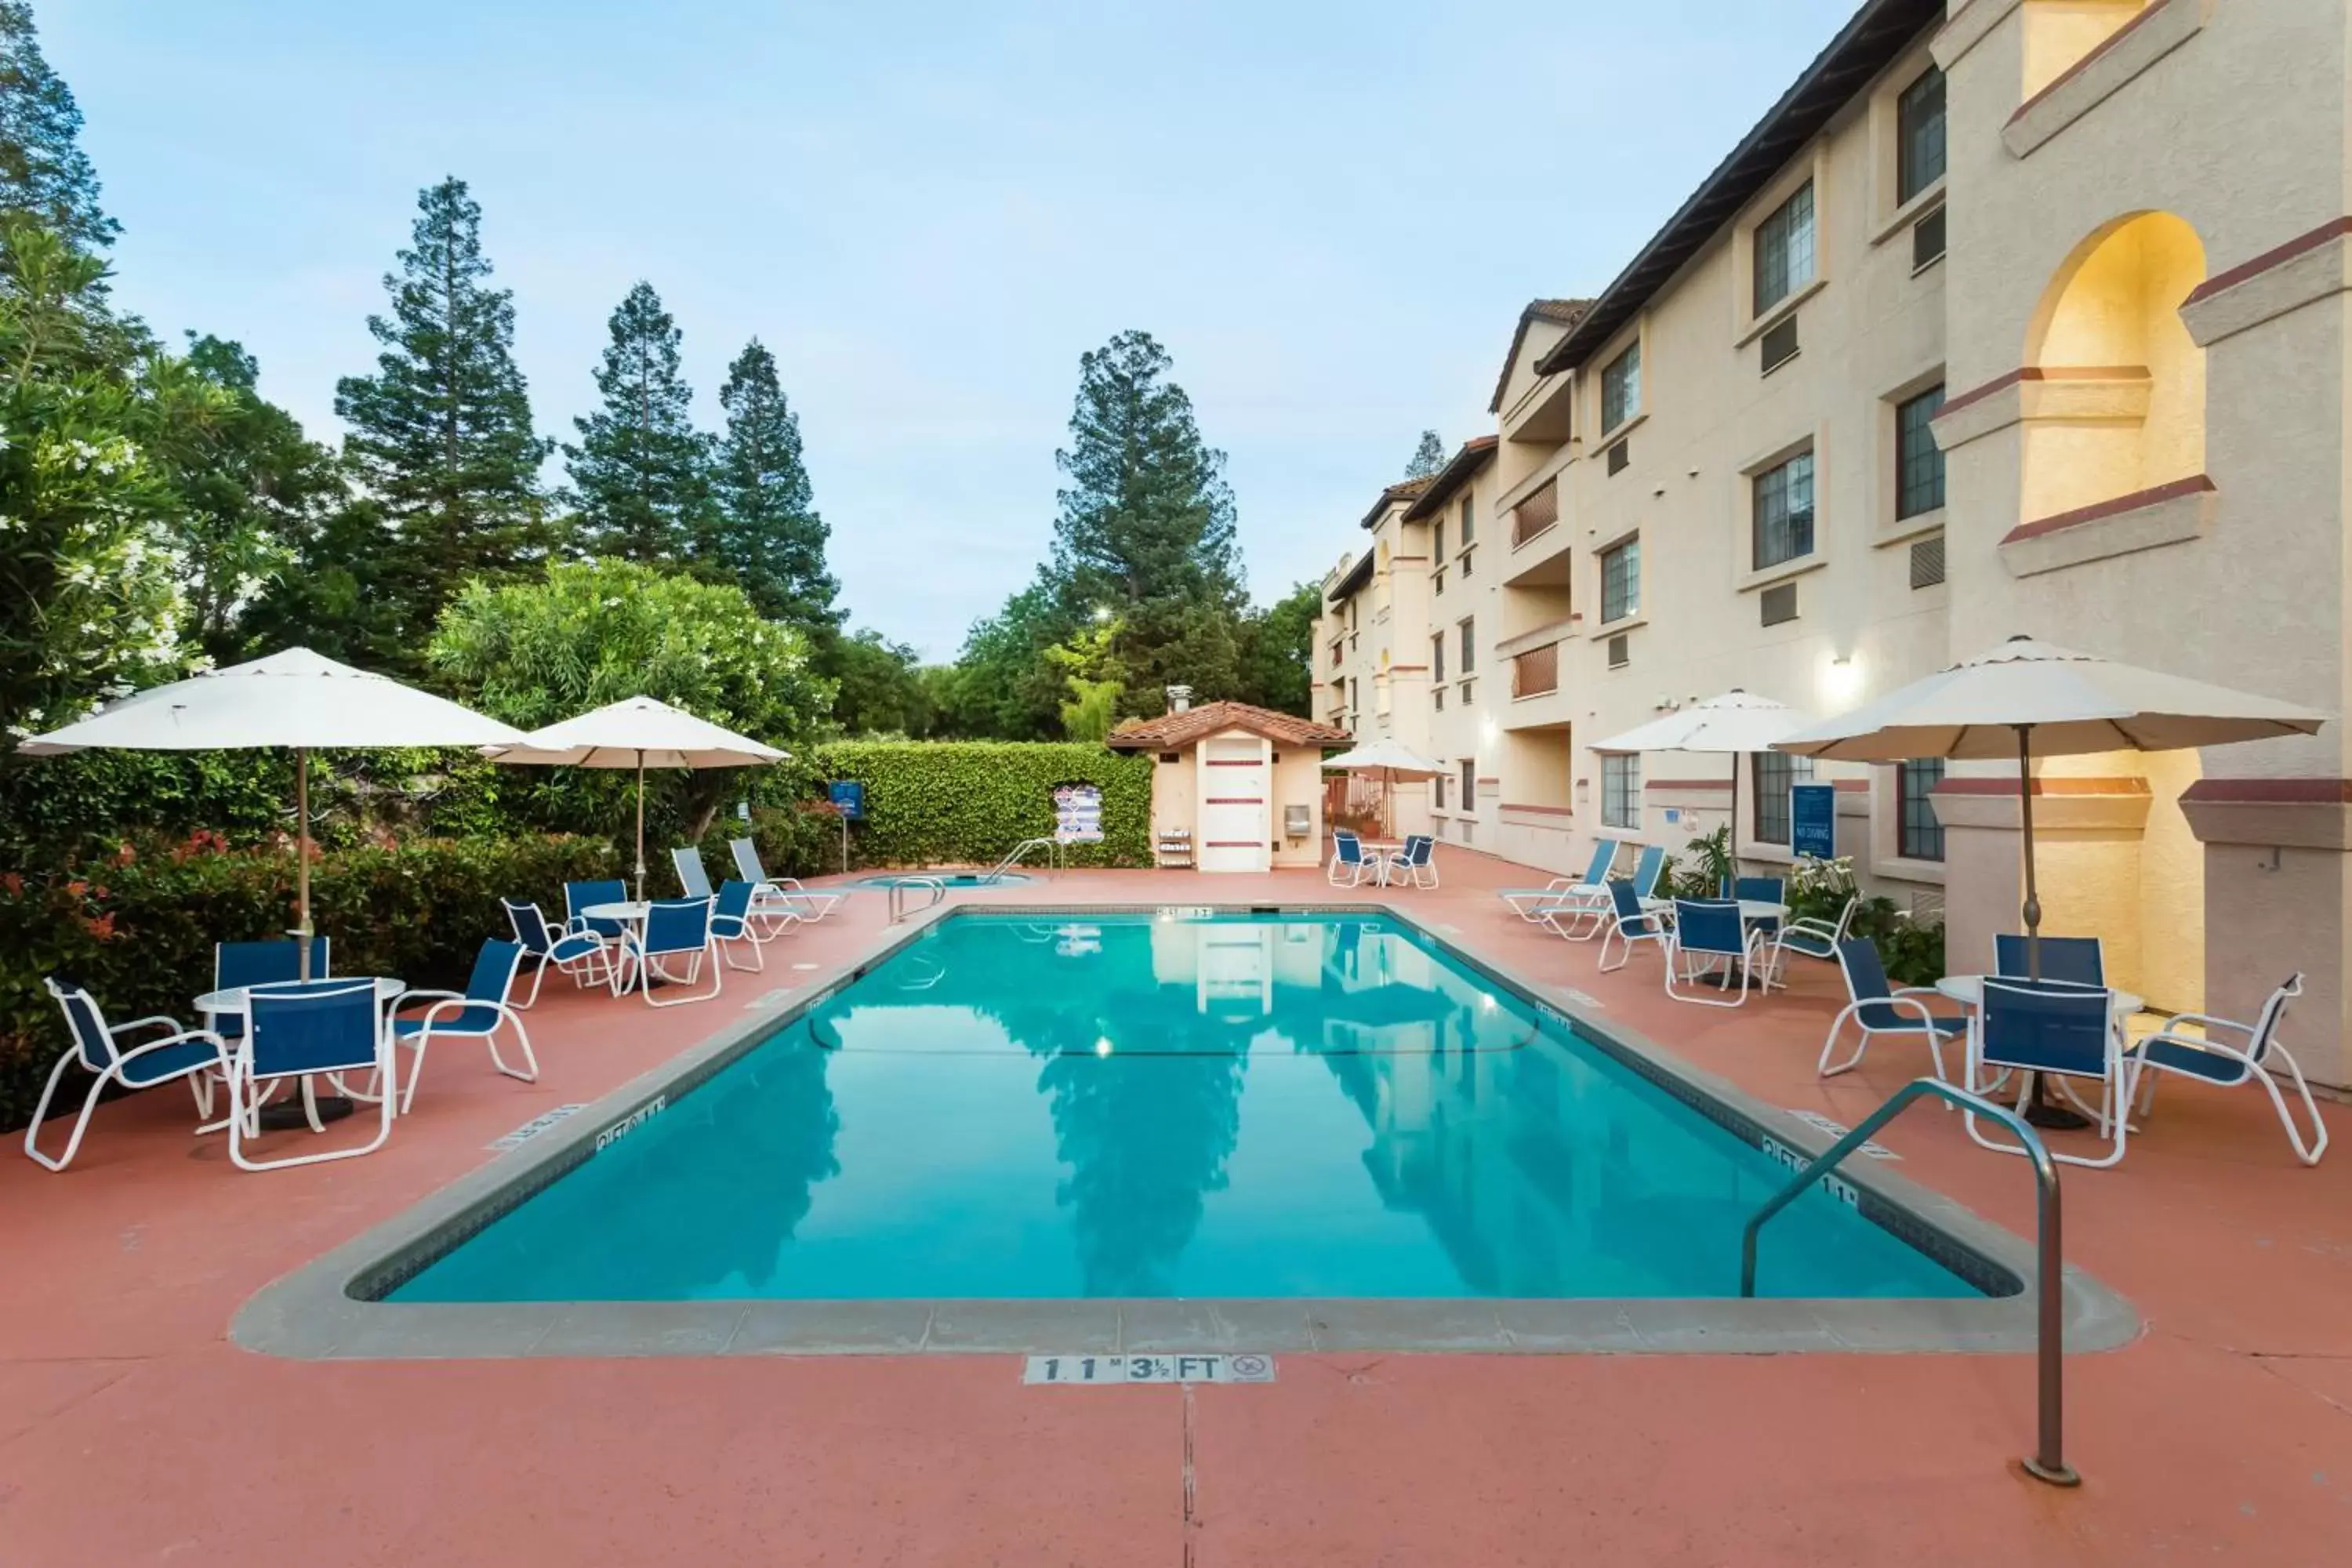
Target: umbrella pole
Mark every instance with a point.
(302, 861)
(2032, 910)
(641, 823)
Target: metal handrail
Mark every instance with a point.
(898, 895)
(1014, 858)
(2048, 1462)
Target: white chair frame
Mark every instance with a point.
(453, 1004)
(2247, 1060)
(200, 1085)
(246, 1095)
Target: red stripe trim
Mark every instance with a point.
(1543, 810)
(2270, 791)
(1237, 763)
(1232, 844)
(1978, 785)
(1688, 784)
(2044, 373)
(2277, 256)
(2079, 66)
(2196, 484)
(1231, 800)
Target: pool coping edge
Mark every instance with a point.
(322, 1311)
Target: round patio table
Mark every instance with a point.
(329, 1108)
(1379, 851)
(1969, 991)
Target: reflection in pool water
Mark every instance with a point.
(1112, 1105)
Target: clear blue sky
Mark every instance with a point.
(1330, 212)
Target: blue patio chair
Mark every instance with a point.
(1812, 937)
(693, 879)
(732, 919)
(237, 965)
(2207, 1060)
(1762, 890)
(2072, 960)
(1629, 922)
(1589, 892)
(299, 1030)
(473, 1013)
(1877, 1008)
(580, 896)
(1349, 865)
(786, 891)
(675, 928)
(196, 1056)
(583, 957)
(1647, 871)
(2060, 1030)
(1707, 932)
(1417, 860)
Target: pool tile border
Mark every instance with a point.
(330, 1309)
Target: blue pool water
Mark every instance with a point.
(1130, 1106)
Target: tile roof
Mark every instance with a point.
(1562, 313)
(1172, 730)
(1403, 490)
(1872, 40)
(1475, 453)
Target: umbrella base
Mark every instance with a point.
(287, 1115)
(2057, 1118)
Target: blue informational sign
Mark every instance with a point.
(848, 796)
(1813, 820)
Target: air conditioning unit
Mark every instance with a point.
(1619, 654)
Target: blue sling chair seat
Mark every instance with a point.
(196, 1056)
(2227, 1054)
(585, 958)
(1876, 1008)
(474, 1014)
(302, 1030)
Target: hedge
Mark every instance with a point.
(957, 803)
(138, 928)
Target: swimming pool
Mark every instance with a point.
(1288, 1106)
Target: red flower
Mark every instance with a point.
(125, 855)
(98, 893)
(76, 887)
(102, 928)
(13, 882)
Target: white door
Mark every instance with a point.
(1236, 783)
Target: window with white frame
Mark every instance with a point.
(1783, 520)
(1620, 581)
(1620, 790)
(1620, 387)
(1784, 250)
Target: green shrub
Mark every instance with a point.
(934, 803)
(138, 928)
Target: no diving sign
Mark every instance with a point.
(1107, 1371)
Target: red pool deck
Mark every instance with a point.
(131, 1431)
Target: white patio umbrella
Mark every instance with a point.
(297, 701)
(637, 732)
(1735, 724)
(1389, 759)
(2025, 698)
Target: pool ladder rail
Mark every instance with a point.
(905, 884)
(2048, 1462)
(1052, 846)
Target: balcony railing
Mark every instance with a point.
(1535, 672)
(1535, 514)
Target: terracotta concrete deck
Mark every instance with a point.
(132, 1432)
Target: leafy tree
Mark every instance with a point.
(1146, 527)
(1278, 652)
(641, 472)
(91, 599)
(337, 595)
(44, 173)
(441, 435)
(1092, 672)
(769, 538)
(593, 632)
(250, 485)
(1004, 686)
(1427, 457)
(880, 688)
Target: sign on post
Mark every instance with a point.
(1813, 820)
(1077, 814)
(848, 798)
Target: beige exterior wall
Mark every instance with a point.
(1378, 684)
(1297, 781)
(2140, 323)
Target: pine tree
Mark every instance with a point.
(768, 536)
(44, 173)
(440, 436)
(1427, 457)
(641, 471)
(1145, 530)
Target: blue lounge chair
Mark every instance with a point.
(2219, 1061)
(1589, 892)
(675, 928)
(474, 1014)
(1416, 860)
(1349, 864)
(1877, 1008)
(693, 878)
(2072, 959)
(583, 896)
(1629, 922)
(1708, 932)
(197, 1056)
(786, 894)
(237, 965)
(299, 1030)
(2060, 1029)
(732, 919)
(573, 953)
